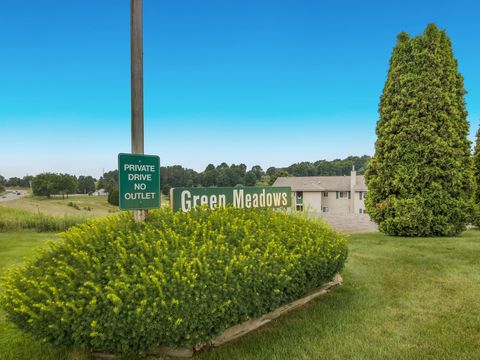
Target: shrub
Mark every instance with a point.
(74, 205)
(16, 220)
(113, 197)
(420, 180)
(2, 189)
(179, 279)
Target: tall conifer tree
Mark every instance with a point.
(420, 180)
(476, 170)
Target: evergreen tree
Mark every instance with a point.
(476, 175)
(476, 167)
(420, 180)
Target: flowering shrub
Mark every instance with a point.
(179, 279)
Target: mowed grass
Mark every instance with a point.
(85, 206)
(402, 298)
(89, 206)
(14, 247)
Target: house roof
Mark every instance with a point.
(321, 183)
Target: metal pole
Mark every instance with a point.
(136, 63)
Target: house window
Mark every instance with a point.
(325, 194)
(361, 211)
(342, 194)
(324, 209)
(299, 198)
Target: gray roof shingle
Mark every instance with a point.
(321, 183)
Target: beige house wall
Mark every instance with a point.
(334, 205)
(353, 197)
(316, 201)
(359, 204)
(312, 201)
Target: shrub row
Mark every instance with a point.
(17, 220)
(179, 279)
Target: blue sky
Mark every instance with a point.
(259, 82)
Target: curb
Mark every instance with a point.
(239, 330)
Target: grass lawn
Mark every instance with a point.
(402, 298)
(14, 247)
(89, 206)
(57, 206)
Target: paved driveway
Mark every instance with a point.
(13, 195)
(350, 223)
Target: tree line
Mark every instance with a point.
(48, 184)
(232, 175)
(16, 181)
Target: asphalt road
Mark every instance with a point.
(12, 195)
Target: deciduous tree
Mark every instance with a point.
(250, 178)
(45, 184)
(108, 181)
(86, 184)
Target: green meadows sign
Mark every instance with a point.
(248, 197)
(138, 181)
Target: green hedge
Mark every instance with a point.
(179, 279)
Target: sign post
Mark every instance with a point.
(136, 64)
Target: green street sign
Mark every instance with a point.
(248, 197)
(138, 181)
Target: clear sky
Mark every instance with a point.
(267, 82)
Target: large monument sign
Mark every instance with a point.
(248, 197)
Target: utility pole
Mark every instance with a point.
(136, 63)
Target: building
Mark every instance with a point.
(327, 194)
(100, 192)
